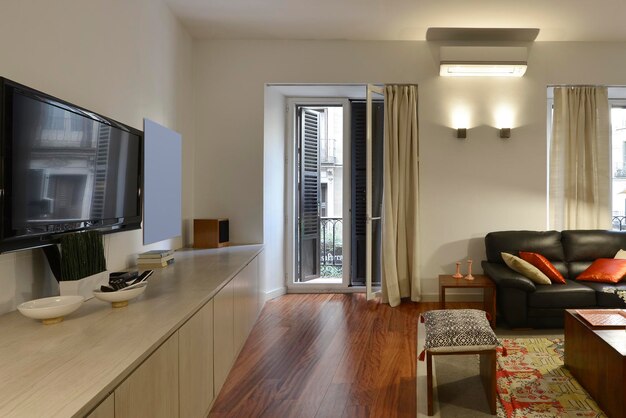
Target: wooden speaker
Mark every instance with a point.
(210, 233)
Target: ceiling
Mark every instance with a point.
(391, 20)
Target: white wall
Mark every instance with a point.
(467, 188)
(125, 60)
(273, 273)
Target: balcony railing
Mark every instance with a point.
(619, 223)
(331, 247)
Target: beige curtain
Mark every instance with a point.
(400, 239)
(580, 181)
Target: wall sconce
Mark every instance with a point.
(461, 133)
(505, 132)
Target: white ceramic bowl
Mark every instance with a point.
(50, 310)
(121, 297)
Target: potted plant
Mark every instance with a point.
(83, 265)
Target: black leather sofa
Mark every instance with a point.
(524, 304)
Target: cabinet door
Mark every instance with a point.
(195, 347)
(152, 389)
(241, 307)
(255, 290)
(223, 337)
(106, 409)
(246, 302)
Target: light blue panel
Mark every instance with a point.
(162, 183)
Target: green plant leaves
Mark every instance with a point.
(82, 254)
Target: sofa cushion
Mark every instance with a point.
(546, 243)
(451, 330)
(562, 267)
(604, 270)
(504, 277)
(589, 245)
(621, 255)
(526, 269)
(606, 296)
(577, 267)
(570, 295)
(544, 265)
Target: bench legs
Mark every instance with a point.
(429, 381)
(487, 374)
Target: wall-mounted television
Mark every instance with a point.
(63, 169)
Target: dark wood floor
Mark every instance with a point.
(327, 355)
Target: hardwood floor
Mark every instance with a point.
(326, 355)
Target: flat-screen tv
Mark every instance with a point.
(63, 169)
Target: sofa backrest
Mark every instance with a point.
(589, 245)
(582, 247)
(546, 243)
(570, 251)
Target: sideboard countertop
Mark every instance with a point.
(66, 369)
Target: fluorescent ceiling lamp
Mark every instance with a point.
(482, 70)
(482, 61)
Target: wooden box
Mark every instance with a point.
(210, 233)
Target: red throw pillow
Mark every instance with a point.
(544, 265)
(605, 270)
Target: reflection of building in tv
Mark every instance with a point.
(69, 168)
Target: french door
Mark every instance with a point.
(321, 194)
(309, 124)
(335, 196)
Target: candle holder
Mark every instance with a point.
(458, 274)
(469, 270)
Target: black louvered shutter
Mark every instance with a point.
(357, 113)
(358, 183)
(309, 194)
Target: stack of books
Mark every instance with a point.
(155, 259)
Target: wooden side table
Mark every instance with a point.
(446, 281)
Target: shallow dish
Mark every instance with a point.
(120, 298)
(50, 310)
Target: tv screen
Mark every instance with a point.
(65, 169)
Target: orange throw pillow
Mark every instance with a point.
(605, 270)
(544, 265)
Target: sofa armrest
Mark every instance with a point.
(503, 276)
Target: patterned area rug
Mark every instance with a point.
(532, 382)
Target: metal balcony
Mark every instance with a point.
(331, 247)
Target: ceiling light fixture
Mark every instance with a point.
(473, 61)
(482, 70)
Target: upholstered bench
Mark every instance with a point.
(460, 331)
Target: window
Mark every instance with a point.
(617, 105)
(618, 164)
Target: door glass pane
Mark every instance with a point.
(332, 183)
(309, 220)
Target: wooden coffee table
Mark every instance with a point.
(446, 281)
(596, 357)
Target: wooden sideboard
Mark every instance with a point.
(165, 355)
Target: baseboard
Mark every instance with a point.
(426, 297)
(322, 289)
(275, 293)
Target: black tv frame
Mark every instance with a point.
(13, 243)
